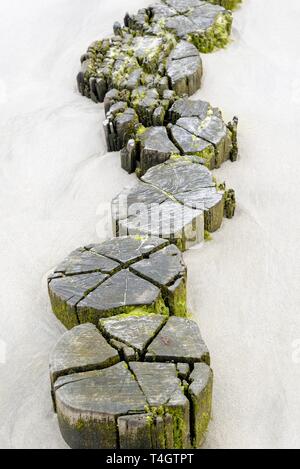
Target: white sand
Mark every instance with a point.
(55, 179)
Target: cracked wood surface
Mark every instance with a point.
(144, 274)
(131, 376)
(105, 399)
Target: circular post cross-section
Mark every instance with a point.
(145, 52)
(206, 25)
(135, 382)
(190, 128)
(177, 200)
(133, 275)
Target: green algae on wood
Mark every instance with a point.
(190, 128)
(228, 4)
(200, 393)
(103, 404)
(130, 288)
(87, 408)
(177, 200)
(140, 73)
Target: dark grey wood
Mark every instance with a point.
(127, 250)
(200, 394)
(156, 148)
(87, 408)
(163, 267)
(118, 294)
(184, 69)
(179, 341)
(81, 349)
(103, 404)
(134, 331)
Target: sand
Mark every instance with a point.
(56, 183)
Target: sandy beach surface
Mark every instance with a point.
(56, 183)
